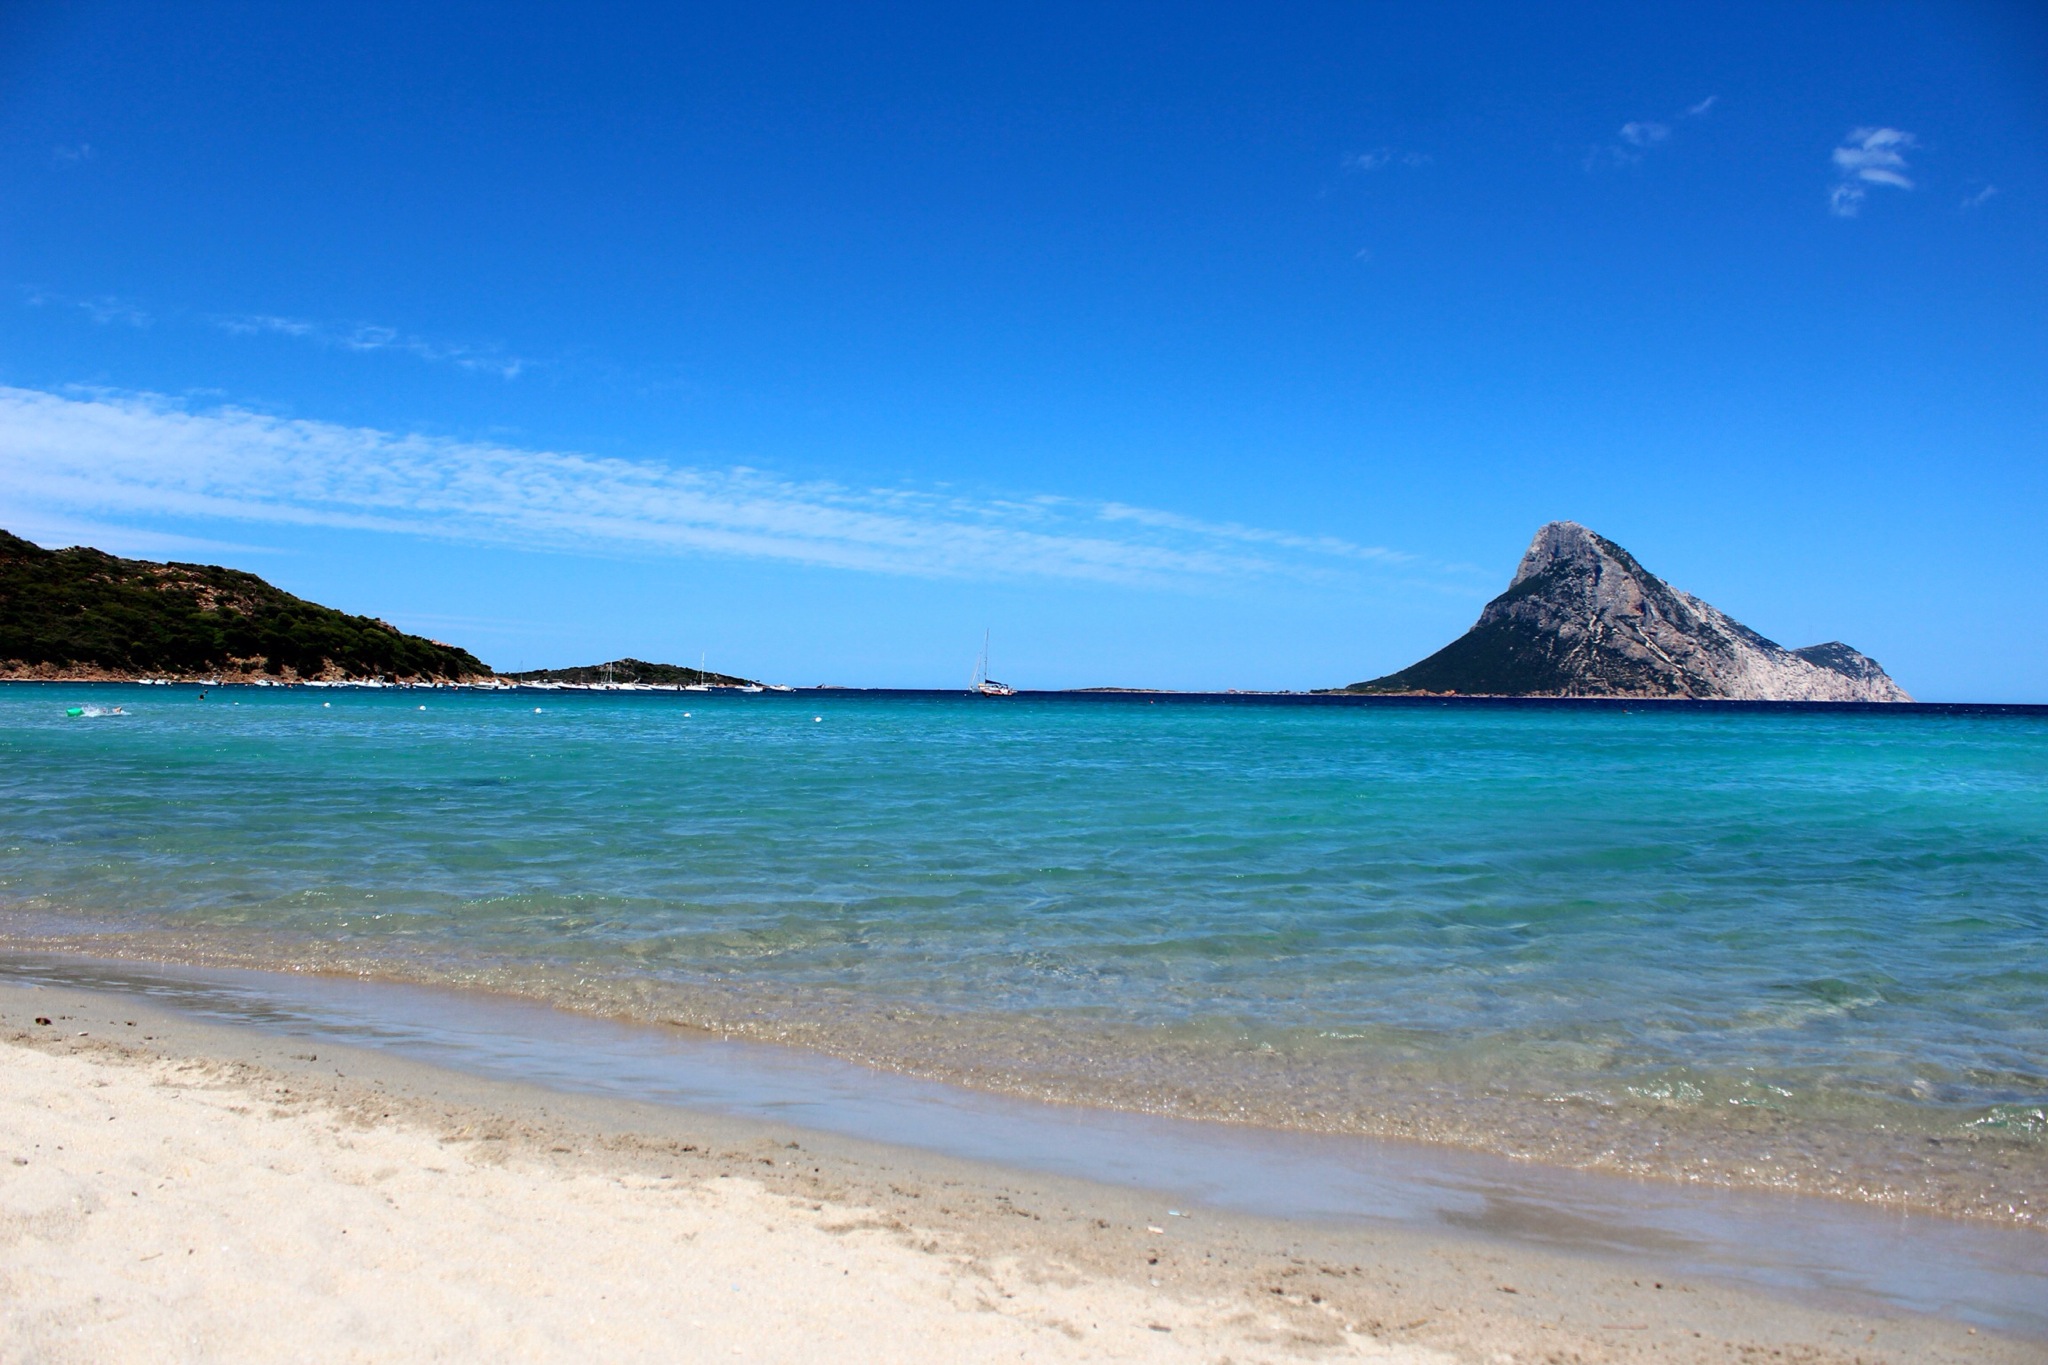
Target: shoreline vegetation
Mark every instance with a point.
(174, 1180)
(83, 615)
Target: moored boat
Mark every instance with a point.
(983, 685)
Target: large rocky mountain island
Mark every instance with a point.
(1583, 619)
(84, 614)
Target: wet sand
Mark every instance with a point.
(1899, 1158)
(185, 1190)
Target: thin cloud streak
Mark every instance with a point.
(1378, 157)
(146, 457)
(366, 337)
(104, 309)
(1325, 545)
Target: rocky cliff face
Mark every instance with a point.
(1583, 619)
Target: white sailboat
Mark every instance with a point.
(700, 685)
(983, 685)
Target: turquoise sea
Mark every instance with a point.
(1796, 948)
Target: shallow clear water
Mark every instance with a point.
(1796, 948)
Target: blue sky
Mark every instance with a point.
(1178, 345)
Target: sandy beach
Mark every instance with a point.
(180, 1190)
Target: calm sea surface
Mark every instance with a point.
(1783, 948)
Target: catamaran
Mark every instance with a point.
(983, 685)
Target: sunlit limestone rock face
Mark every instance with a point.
(1583, 619)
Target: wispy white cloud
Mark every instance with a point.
(1868, 156)
(1251, 535)
(71, 155)
(1980, 198)
(104, 309)
(364, 337)
(252, 324)
(144, 458)
(1378, 157)
(1875, 154)
(1636, 137)
(55, 531)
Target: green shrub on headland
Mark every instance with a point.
(82, 613)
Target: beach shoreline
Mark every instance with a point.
(1920, 1164)
(979, 1259)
